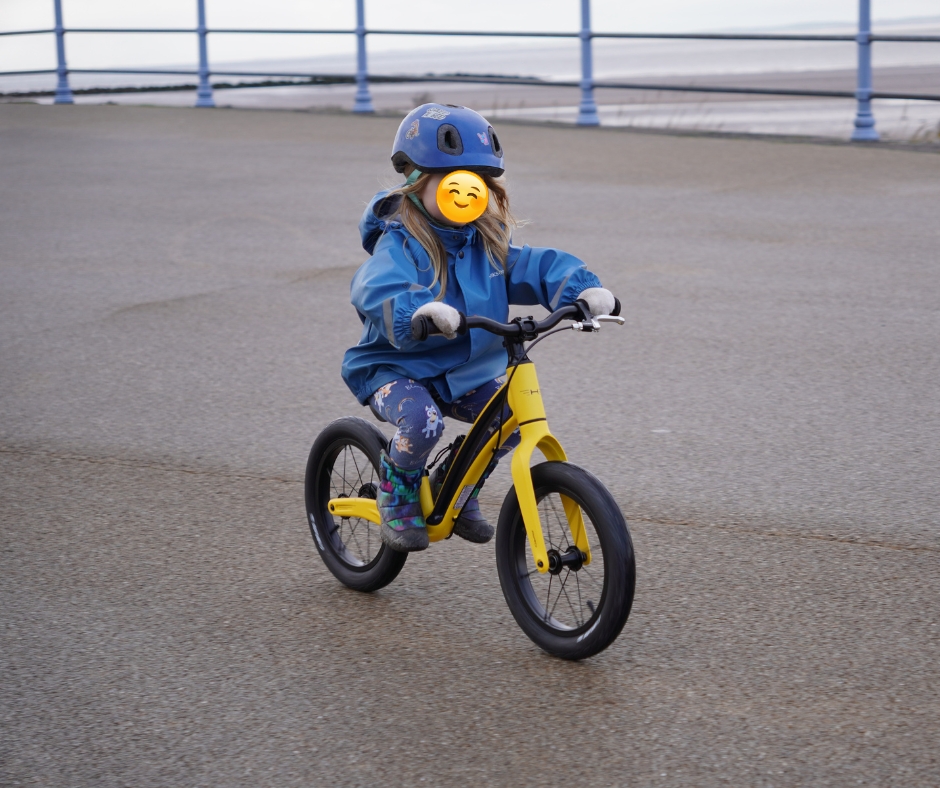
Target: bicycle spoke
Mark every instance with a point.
(548, 597)
(353, 536)
(543, 516)
(577, 581)
(358, 474)
(563, 592)
(561, 523)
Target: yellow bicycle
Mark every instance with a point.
(563, 549)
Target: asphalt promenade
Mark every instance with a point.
(173, 311)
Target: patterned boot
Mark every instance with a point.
(403, 527)
(470, 523)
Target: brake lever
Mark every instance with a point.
(594, 322)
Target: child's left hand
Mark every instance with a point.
(445, 317)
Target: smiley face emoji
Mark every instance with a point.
(462, 196)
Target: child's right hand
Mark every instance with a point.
(446, 318)
(599, 300)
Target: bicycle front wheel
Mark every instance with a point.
(574, 610)
(344, 463)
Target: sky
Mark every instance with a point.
(97, 51)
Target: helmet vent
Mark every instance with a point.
(497, 148)
(448, 140)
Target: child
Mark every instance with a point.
(440, 246)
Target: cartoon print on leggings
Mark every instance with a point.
(381, 393)
(434, 419)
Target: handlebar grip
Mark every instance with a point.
(422, 327)
(582, 305)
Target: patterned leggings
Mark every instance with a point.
(419, 418)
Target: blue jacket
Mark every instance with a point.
(396, 280)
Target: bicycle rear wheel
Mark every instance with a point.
(574, 610)
(343, 463)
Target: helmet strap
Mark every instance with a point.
(415, 173)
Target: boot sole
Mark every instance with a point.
(467, 532)
(411, 541)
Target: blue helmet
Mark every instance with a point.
(443, 137)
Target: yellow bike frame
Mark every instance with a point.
(528, 415)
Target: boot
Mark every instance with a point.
(403, 527)
(470, 523)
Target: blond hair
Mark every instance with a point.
(495, 227)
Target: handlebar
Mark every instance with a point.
(521, 328)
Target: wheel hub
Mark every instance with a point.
(572, 559)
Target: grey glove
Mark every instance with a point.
(445, 317)
(599, 300)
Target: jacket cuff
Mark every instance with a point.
(402, 329)
(574, 289)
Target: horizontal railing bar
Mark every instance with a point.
(532, 81)
(619, 85)
(469, 79)
(762, 91)
(179, 87)
(278, 31)
(730, 36)
(715, 89)
(131, 71)
(472, 33)
(907, 39)
(24, 73)
(24, 32)
(485, 34)
(284, 75)
(186, 30)
(906, 96)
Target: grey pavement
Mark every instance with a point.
(173, 311)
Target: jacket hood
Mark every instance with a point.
(375, 219)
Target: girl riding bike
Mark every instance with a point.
(440, 246)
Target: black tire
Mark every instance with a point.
(574, 611)
(344, 461)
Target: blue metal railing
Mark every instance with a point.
(587, 111)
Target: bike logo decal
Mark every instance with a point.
(588, 632)
(316, 532)
(530, 392)
(464, 495)
(436, 113)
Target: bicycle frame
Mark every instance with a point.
(473, 457)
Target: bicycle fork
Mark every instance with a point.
(525, 401)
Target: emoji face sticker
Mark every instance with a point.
(462, 196)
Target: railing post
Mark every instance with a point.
(204, 93)
(363, 102)
(587, 111)
(864, 119)
(63, 93)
